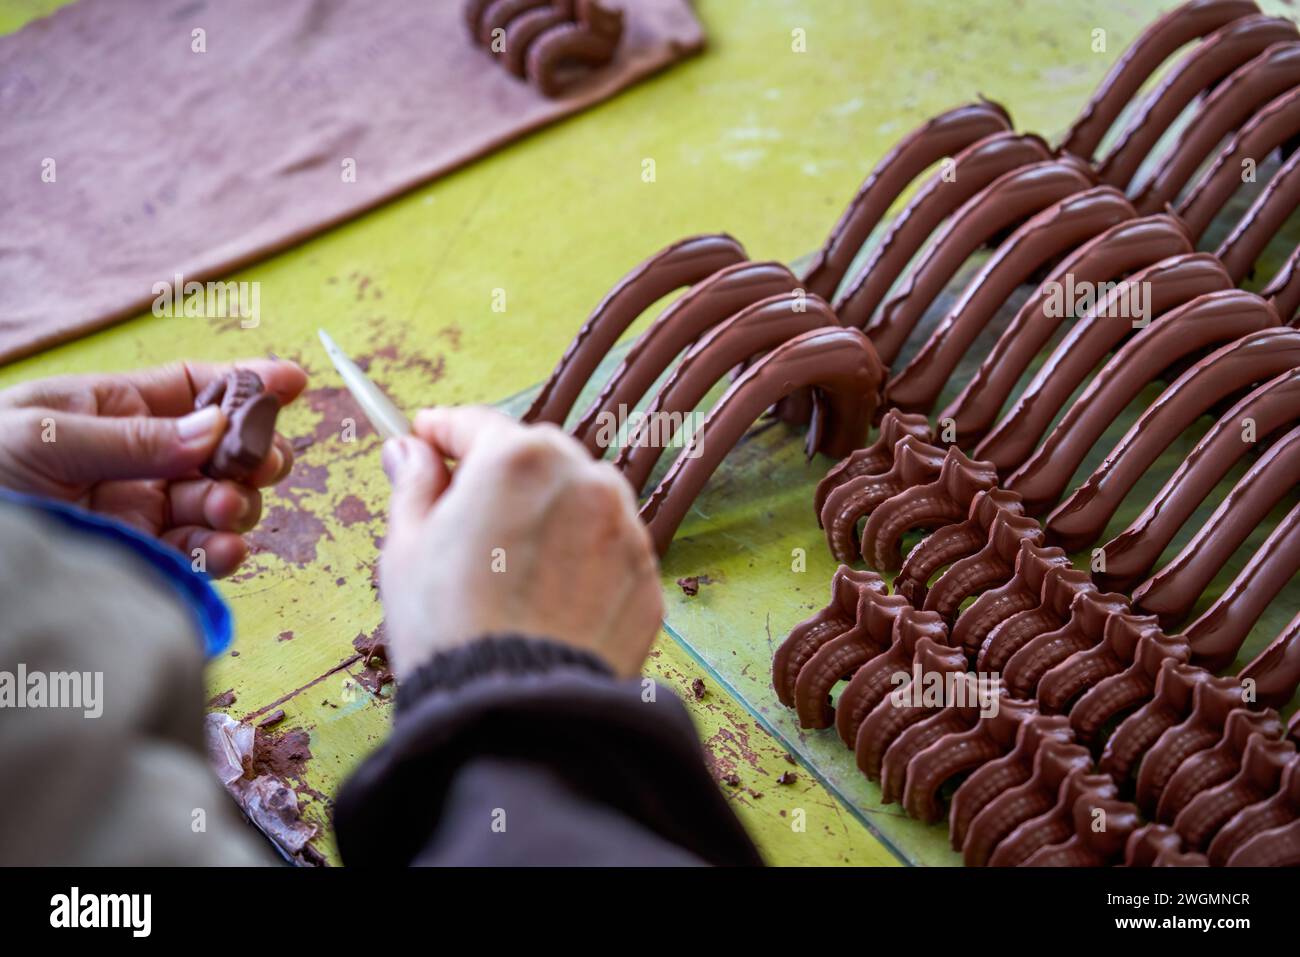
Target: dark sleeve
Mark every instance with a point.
(514, 751)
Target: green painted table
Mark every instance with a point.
(752, 138)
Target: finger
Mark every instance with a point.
(88, 448)
(275, 466)
(418, 477)
(454, 430)
(142, 504)
(171, 389)
(223, 506)
(217, 553)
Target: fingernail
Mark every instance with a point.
(392, 458)
(197, 427)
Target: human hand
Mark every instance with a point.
(529, 535)
(130, 445)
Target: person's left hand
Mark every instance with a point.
(129, 446)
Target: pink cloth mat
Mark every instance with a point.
(168, 161)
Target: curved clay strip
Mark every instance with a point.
(991, 738)
(683, 263)
(1133, 244)
(1155, 45)
(1159, 845)
(1261, 222)
(1055, 760)
(1060, 587)
(1218, 634)
(972, 169)
(1212, 702)
(1279, 847)
(1170, 704)
(1262, 766)
(1281, 807)
(1131, 554)
(1055, 825)
(875, 458)
(1089, 612)
(1089, 846)
(841, 363)
(1218, 763)
(1203, 323)
(485, 17)
(943, 501)
(1172, 283)
(1207, 63)
(706, 304)
(1079, 521)
(914, 740)
(1283, 291)
(1275, 671)
(1120, 691)
(1173, 592)
(895, 624)
(888, 719)
(990, 567)
(1020, 593)
(754, 330)
(1008, 200)
(844, 655)
(1056, 230)
(1232, 103)
(915, 463)
(1009, 771)
(1273, 126)
(944, 135)
(952, 543)
(592, 41)
(852, 592)
(522, 32)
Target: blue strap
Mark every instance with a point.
(211, 614)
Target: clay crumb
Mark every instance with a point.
(223, 700)
(698, 689)
(731, 780)
(274, 718)
(690, 586)
(787, 777)
(789, 758)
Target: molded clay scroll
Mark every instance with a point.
(1159, 845)
(1204, 323)
(731, 343)
(538, 38)
(1079, 521)
(1007, 201)
(1261, 222)
(1132, 554)
(683, 263)
(1283, 291)
(972, 169)
(1054, 761)
(1089, 612)
(1212, 811)
(1020, 593)
(840, 363)
(1280, 807)
(1173, 591)
(1057, 594)
(1055, 825)
(1172, 283)
(1089, 846)
(1055, 231)
(1170, 704)
(1131, 245)
(1009, 771)
(1228, 108)
(1216, 764)
(1274, 673)
(876, 458)
(944, 135)
(990, 567)
(1208, 62)
(1156, 44)
(1269, 129)
(1279, 847)
(853, 593)
(704, 305)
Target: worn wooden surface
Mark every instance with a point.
(752, 138)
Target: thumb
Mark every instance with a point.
(418, 478)
(90, 448)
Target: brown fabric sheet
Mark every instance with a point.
(169, 161)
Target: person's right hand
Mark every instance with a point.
(528, 535)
